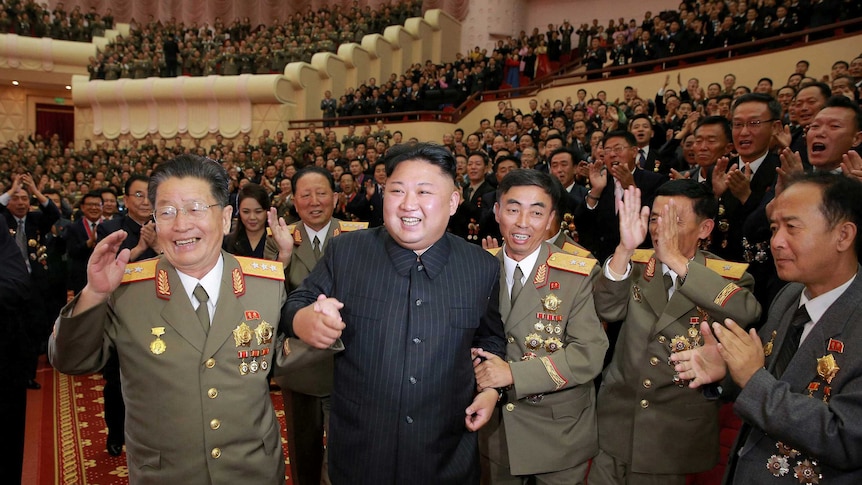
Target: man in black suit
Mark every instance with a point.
(31, 231)
(797, 382)
(81, 239)
(141, 241)
(465, 222)
(404, 401)
(596, 220)
(14, 291)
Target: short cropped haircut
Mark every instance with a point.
(313, 169)
(841, 101)
(507, 158)
(134, 178)
(192, 166)
(705, 205)
(841, 199)
(717, 120)
(427, 152)
(523, 177)
(624, 134)
(772, 104)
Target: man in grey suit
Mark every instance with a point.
(409, 301)
(799, 381)
(195, 334)
(556, 345)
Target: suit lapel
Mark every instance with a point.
(653, 290)
(505, 299)
(678, 305)
(228, 310)
(178, 312)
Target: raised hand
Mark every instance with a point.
(105, 270)
(791, 163)
(701, 365)
(739, 182)
(851, 164)
(634, 219)
(282, 235)
(719, 179)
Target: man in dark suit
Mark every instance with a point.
(465, 222)
(798, 380)
(404, 400)
(651, 428)
(32, 229)
(81, 239)
(596, 220)
(14, 292)
(550, 365)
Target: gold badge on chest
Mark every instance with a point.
(158, 346)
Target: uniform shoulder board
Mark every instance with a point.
(572, 264)
(263, 268)
(493, 251)
(577, 250)
(347, 226)
(642, 255)
(727, 269)
(140, 271)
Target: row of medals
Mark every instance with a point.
(691, 340)
(242, 336)
(534, 341)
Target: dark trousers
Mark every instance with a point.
(115, 408)
(305, 425)
(13, 408)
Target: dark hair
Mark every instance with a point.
(824, 88)
(576, 155)
(841, 101)
(132, 179)
(624, 134)
(192, 166)
(770, 102)
(765, 79)
(427, 152)
(312, 169)
(642, 116)
(717, 120)
(480, 153)
(107, 190)
(94, 194)
(725, 96)
(507, 158)
(253, 191)
(554, 137)
(840, 63)
(526, 177)
(704, 204)
(841, 199)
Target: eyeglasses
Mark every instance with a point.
(617, 149)
(752, 125)
(168, 213)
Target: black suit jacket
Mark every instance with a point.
(405, 376)
(599, 228)
(78, 253)
(470, 212)
(14, 291)
(133, 231)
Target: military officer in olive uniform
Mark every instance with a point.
(546, 424)
(305, 388)
(195, 333)
(653, 428)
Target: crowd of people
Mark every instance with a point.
(31, 19)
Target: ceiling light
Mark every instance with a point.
(14, 83)
(68, 87)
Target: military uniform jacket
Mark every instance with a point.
(548, 416)
(645, 419)
(814, 408)
(192, 417)
(315, 380)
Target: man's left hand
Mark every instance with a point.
(480, 410)
(493, 372)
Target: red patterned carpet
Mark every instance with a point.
(72, 433)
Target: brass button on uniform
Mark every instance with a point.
(210, 363)
(510, 407)
(215, 424)
(212, 393)
(653, 361)
(647, 383)
(215, 453)
(662, 339)
(644, 404)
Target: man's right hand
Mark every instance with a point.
(105, 271)
(320, 323)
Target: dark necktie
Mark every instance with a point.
(21, 238)
(202, 312)
(791, 341)
(641, 158)
(668, 284)
(316, 248)
(517, 286)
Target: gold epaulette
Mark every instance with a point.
(572, 264)
(493, 251)
(263, 268)
(727, 269)
(642, 255)
(140, 271)
(576, 250)
(347, 226)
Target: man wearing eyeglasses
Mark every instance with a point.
(597, 220)
(81, 239)
(140, 240)
(196, 334)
